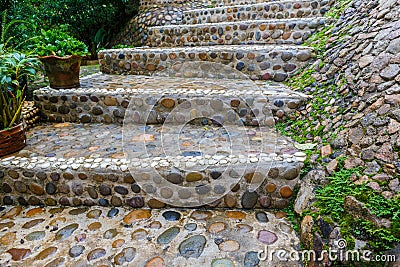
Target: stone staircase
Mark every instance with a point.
(174, 163)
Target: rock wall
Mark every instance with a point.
(356, 113)
(363, 105)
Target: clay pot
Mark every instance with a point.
(12, 140)
(63, 72)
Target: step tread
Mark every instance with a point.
(104, 239)
(51, 146)
(246, 47)
(247, 5)
(132, 85)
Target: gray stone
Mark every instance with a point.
(76, 251)
(192, 247)
(168, 235)
(249, 199)
(390, 72)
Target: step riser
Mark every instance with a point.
(149, 3)
(257, 32)
(114, 187)
(280, 10)
(84, 107)
(263, 64)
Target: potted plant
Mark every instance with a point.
(16, 69)
(61, 55)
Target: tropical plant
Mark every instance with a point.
(58, 42)
(16, 69)
(5, 37)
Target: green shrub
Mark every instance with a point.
(59, 43)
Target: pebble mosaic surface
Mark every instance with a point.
(283, 31)
(101, 237)
(105, 98)
(259, 62)
(75, 164)
(269, 10)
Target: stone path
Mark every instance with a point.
(101, 236)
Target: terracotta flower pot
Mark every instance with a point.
(63, 72)
(12, 140)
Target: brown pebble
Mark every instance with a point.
(34, 211)
(280, 214)
(239, 215)
(286, 192)
(155, 204)
(155, 262)
(229, 246)
(235, 103)
(216, 227)
(253, 177)
(36, 189)
(168, 102)
(94, 226)
(56, 263)
(8, 238)
(137, 215)
(118, 243)
(55, 221)
(96, 254)
(18, 254)
(230, 201)
(194, 177)
(46, 253)
(15, 211)
(6, 225)
(270, 187)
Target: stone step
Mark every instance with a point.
(144, 4)
(152, 166)
(105, 98)
(278, 31)
(269, 10)
(267, 62)
(99, 236)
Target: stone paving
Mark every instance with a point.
(102, 237)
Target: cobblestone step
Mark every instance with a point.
(152, 166)
(266, 62)
(99, 236)
(144, 4)
(281, 31)
(105, 98)
(268, 10)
